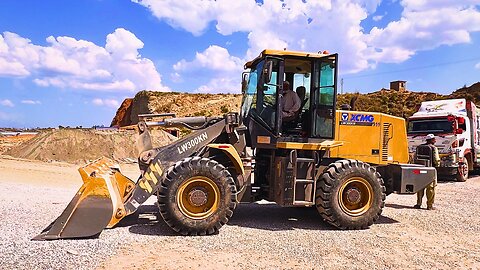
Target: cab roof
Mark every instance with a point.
(285, 53)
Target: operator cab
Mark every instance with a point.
(311, 76)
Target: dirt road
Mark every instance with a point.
(258, 236)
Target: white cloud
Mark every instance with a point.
(477, 66)
(333, 25)
(421, 5)
(221, 85)
(70, 63)
(6, 103)
(31, 102)
(111, 103)
(377, 18)
(216, 61)
(214, 58)
(292, 24)
(176, 77)
(424, 25)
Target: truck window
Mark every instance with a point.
(441, 125)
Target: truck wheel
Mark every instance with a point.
(462, 173)
(350, 194)
(197, 196)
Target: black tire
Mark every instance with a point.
(350, 194)
(197, 196)
(462, 171)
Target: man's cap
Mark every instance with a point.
(430, 136)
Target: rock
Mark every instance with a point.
(122, 117)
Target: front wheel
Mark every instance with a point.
(462, 173)
(197, 196)
(350, 194)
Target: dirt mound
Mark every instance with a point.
(81, 146)
(182, 104)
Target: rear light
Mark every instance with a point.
(417, 171)
(461, 120)
(451, 118)
(455, 144)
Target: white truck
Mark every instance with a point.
(455, 124)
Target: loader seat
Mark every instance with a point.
(294, 125)
(301, 92)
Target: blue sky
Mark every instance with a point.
(73, 62)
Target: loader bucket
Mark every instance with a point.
(98, 204)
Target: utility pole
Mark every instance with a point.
(341, 86)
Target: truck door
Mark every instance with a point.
(323, 95)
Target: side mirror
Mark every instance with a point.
(458, 131)
(245, 76)
(267, 71)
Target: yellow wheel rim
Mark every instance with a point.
(198, 197)
(355, 196)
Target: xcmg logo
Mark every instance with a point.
(362, 118)
(358, 119)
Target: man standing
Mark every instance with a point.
(290, 103)
(435, 161)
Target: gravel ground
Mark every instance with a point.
(259, 236)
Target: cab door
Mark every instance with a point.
(323, 96)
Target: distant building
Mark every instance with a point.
(398, 86)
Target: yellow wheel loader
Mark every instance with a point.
(343, 163)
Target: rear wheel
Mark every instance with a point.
(197, 196)
(350, 194)
(462, 173)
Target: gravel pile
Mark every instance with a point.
(258, 236)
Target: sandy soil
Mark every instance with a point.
(259, 236)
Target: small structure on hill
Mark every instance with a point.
(400, 86)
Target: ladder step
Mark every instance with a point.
(303, 180)
(305, 160)
(303, 203)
